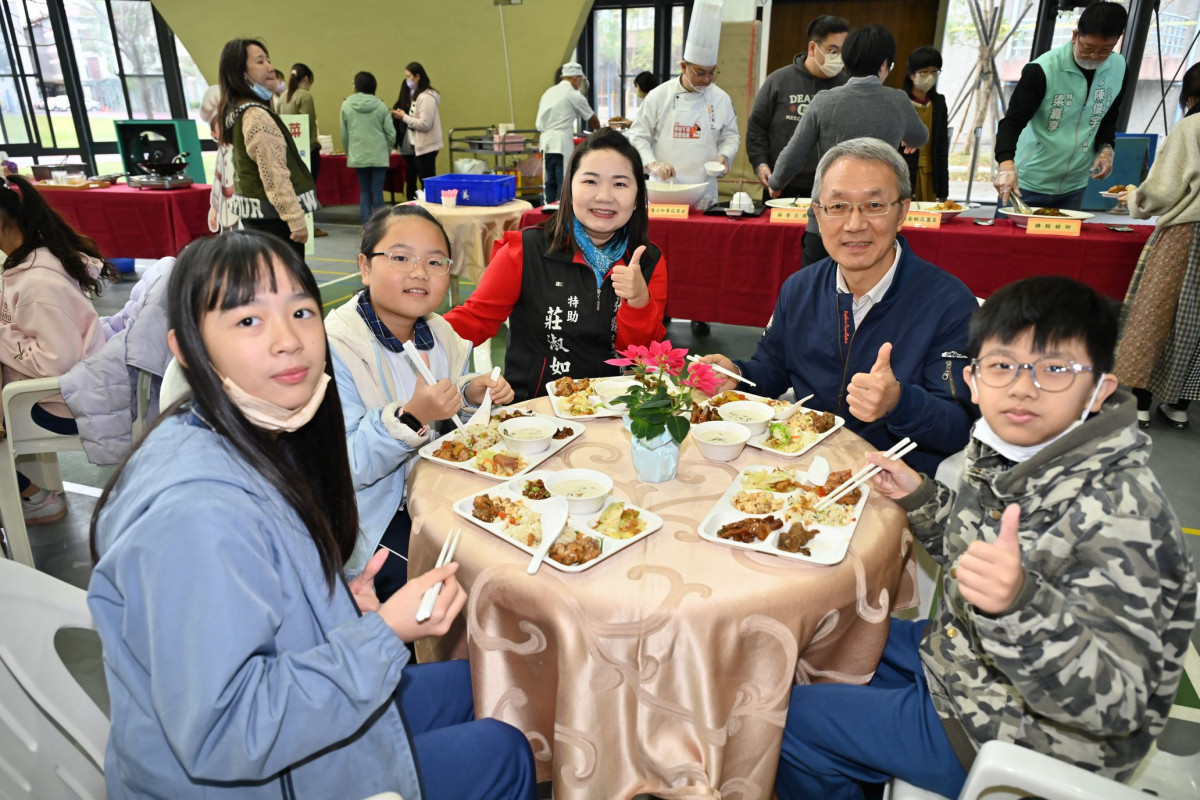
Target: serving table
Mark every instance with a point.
(134, 223)
(667, 668)
(730, 270)
(337, 184)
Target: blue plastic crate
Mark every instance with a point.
(473, 190)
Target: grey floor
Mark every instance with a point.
(62, 549)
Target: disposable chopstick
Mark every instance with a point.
(896, 448)
(425, 609)
(723, 371)
(871, 473)
(414, 356)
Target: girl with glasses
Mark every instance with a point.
(389, 410)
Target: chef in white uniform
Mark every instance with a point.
(558, 109)
(688, 120)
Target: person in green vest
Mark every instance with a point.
(1062, 118)
(272, 187)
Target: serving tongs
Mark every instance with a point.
(1019, 205)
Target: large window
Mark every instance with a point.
(623, 39)
(71, 68)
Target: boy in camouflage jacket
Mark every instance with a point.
(1068, 591)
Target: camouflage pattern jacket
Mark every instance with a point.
(1085, 664)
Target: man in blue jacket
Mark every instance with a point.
(877, 334)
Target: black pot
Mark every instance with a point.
(162, 167)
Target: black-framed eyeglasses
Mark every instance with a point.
(1050, 374)
(438, 265)
(872, 208)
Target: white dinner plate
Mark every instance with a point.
(511, 490)
(829, 546)
(927, 205)
(790, 202)
(532, 460)
(1022, 220)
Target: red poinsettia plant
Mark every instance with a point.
(662, 398)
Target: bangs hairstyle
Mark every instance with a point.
(231, 77)
(378, 223)
(921, 58)
(561, 228)
(1055, 310)
(309, 467)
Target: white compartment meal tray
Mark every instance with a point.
(531, 460)
(829, 546)
(511, 490)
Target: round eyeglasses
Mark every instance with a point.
(437, 265)
(704, 73)
(1051, 374)
(873, 208)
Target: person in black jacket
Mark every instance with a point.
(929, 166)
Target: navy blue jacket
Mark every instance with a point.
(813, 347)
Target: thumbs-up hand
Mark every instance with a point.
(872, 394)
(990, 575)
(628, 282)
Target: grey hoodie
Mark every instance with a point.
(778, 107)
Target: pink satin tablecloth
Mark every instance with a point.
(667, 668)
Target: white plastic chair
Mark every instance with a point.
(174, 385)
(52, 734)
(35, 447)
(1005, 771)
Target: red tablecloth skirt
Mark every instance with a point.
(134, 223)
(730, 270)
(337, 184)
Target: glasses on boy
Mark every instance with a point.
(1049, 374)
(437, 265)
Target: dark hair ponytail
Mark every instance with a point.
(42, 226)
(299, 73)
(310, 467)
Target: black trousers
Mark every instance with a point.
(394, 572)
(275, 227)
(427, 165)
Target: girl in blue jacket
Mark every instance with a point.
(239, 662)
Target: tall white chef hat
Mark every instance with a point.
(704, 35)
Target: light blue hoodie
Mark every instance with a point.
(232, 670)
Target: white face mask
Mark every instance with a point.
(1018, 453)
(925, 82)
(832, 65)
(1089, 63)
(270, 417)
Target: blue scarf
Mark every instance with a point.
(600, 259)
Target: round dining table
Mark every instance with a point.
(665, 669)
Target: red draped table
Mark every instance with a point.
(730, 270)
(134, 223)
(337, 184)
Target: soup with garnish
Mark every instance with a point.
(578, 488)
